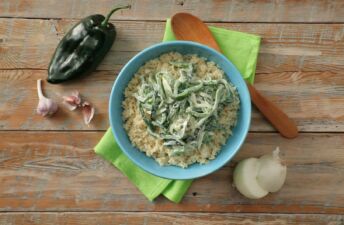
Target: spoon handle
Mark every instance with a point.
(273, 114)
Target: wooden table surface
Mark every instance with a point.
(50, 175)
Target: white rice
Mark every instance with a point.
(153, 147)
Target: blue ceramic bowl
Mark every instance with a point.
(233, 143)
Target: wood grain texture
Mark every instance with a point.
(19, 100)
(138, 218)
(315, 100)
(215, 10)
(274, 114)
(58, 171)
(300, 67)
(285, 47)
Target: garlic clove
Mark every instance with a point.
(272, 174)
(72, 101)
(245, 179)
(87, 111)
(46, 106)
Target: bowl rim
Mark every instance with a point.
(147, 168)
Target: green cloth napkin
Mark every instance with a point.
(242, 50)
(151, 186)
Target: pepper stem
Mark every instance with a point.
(106, 20)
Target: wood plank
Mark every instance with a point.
(58, 171)
(285, 47)
(314, 99)
(215, 10)
(19, 101)
(137, 218)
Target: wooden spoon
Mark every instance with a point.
(190, 28)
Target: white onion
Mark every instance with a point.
(245, 179)
(255, 178)
(272, 173)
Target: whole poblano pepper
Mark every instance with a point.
(83, 48)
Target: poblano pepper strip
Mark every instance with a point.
(83, 48)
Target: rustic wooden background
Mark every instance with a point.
(50, 175)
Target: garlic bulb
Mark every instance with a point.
(46, 106)
(255, 178)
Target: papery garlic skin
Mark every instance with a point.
(72, 101)
(88, 112)
(46, 106)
